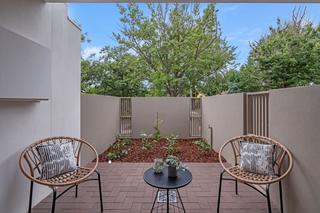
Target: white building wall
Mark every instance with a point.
(65, 75)
(22, 122)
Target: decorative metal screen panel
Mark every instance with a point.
(125, 116)
(195, 121)
(256, 113)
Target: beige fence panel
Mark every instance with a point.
(195, 122)
(125, 117)
(256, 113)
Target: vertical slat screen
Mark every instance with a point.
(195, 120)
(256, 114)
(125, 116)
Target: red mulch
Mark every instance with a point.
(186, 151)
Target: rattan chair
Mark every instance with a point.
(30, 166)
(282, 167)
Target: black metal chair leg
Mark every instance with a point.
(54, 196)
(268, 199)
(281, 201)
(76, 194)
(30, 197)
(236, 183)
(219, 195)
(100, 191)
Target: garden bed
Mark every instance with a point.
(133, 150)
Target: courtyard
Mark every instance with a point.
(125, 191)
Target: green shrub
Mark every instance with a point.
(118, 148)
(124, 152)
(171, 144)
(112, 155)
(202, 145)
(125, 141)
(146, 141)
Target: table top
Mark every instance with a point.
(161, 181)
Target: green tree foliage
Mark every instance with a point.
(287, 56)
(177, 48)
(117, 73)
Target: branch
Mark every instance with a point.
(140, 51)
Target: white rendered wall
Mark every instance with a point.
(22, 122)
(65, 74)
(25, 43)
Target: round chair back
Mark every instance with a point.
(31, 167)
(283, 162)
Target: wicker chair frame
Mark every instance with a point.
(30, 165)
(283, 164)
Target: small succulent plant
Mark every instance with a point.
(158, 165)
(172, 161)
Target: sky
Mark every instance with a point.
(240, 23)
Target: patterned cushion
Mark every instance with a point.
(56, 159)
(257, 158)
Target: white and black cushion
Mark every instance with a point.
(56, 159)
(257, 158)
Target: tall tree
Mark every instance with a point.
(287, 56)
(181, 47)
(117, 73)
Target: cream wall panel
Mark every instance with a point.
(295, 122)
(173, 111)
(99, 121)
(225, 114)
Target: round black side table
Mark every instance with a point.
(161, 181)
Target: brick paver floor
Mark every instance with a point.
(125, 191)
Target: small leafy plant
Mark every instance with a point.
(157, 135)
(124, 152)
(119, 148)
(125, 141)
(202, 145)
(146, 141)
(172, 161)
(112, 155)
(171, 144)
(158, 165)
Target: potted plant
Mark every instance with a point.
(158, 165)
(172, 163)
